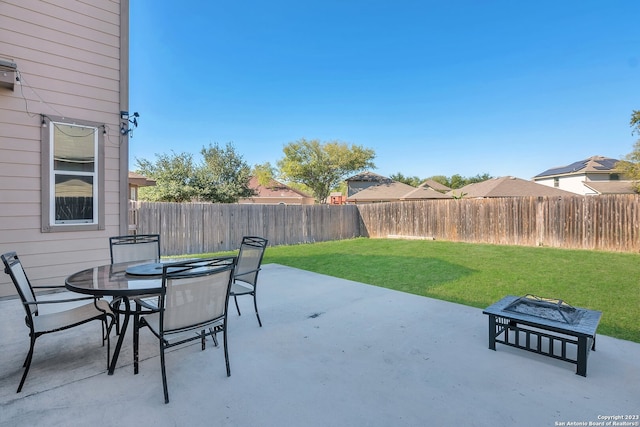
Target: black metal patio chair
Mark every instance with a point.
(135, 247)
(245, 279)
(194, 298)
(131, 248)
(41, 324)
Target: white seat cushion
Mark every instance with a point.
(239, 288)
(74, 316)
(153, 321)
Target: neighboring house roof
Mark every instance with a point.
(140, 181)
(435, 185)
(395, 191)
(425, 193)
(508, 186)
(594, 164)
(385, 192)
(611, 187)
(276, 192)
(369, 177)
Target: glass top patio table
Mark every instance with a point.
(113, 280)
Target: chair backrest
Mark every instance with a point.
(195, 293)
(250, 258)
(13, 267)
(136, 247)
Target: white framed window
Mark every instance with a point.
(73, 169)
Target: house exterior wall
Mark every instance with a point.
(599, 177)
(575, 183)
(572, 183)
(72, 64)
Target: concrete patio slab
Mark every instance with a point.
(332, 352)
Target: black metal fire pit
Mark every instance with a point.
(545, 326)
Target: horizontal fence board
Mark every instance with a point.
(609, 222)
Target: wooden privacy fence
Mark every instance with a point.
(204, 227)
(610, 222)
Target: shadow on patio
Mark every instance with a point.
(331, 352)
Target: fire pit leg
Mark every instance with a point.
(583, 349)
(492, 332)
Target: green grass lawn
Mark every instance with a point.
(479, 275)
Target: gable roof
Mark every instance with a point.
(425, 193)
(435, 185)
(594, 164)
(394, 191)
(508, 186)
(611, 187)
(385, 192)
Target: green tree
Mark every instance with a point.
(630, 165)
(264, 173)
(635, 122)
(222, 177)
(413, 181)
(441, 179)
(478, 178)
(173, 174)
(458, 181)
(322, 166)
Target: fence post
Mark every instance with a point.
(540, 221)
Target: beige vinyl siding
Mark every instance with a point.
(68, 55)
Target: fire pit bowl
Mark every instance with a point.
(546, 308)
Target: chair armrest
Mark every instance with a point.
(247, 272)
(58, 301)
(146, 305)
(49, 287)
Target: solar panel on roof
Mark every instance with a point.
(573, 167)
(606, 164)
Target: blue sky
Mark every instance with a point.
(434, 87)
